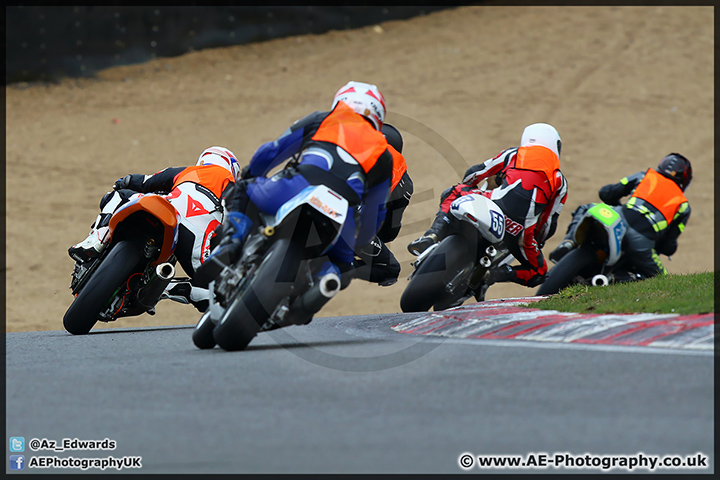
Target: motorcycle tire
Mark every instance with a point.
(426, 288)
(252, 307)
(95, 296)
(563, 273)
(202, 336)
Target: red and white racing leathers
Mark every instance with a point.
(531, 192)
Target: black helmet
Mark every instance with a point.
(677, 168)
(393, 136)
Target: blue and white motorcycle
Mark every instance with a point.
(598, 236)
(275, 282)
(456, 268)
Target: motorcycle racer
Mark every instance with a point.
(375, 262)
(527, 184)
(196, 192)
(343, 149)
(656, 214)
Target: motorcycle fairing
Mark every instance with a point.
(319, 197)
(613, 224)
(158, 207)
(482, 213)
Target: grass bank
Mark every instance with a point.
(684, 294)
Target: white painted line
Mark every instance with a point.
(574, 346)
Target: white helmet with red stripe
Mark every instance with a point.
(222, 157)
(542, 134)
(365, 99)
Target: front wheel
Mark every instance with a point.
(101, 288)
(252, 307)
(427, 286)
(563, 273)
(203, 334)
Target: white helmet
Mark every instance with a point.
(542, 134)
(365, 99)
(220, 156)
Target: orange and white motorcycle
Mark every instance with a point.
(130, 274)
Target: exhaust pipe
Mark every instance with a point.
(600, 280)
(150, 295)
(313, 300)
(329, 285)
(309, 303)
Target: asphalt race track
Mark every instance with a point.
(350, 395)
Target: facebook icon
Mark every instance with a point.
(17, 462)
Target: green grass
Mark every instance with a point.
(683, 294)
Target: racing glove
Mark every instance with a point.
(122, 183)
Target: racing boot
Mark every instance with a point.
(500, 274)
(182, 291)
(377, 264)
(497, 274)
(567, 244)
(95, 243)
(561, 250)
(433, 235)
(234, 231)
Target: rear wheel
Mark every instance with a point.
(563, 273)
(427, 286)
(100, 289)
(252, 307)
